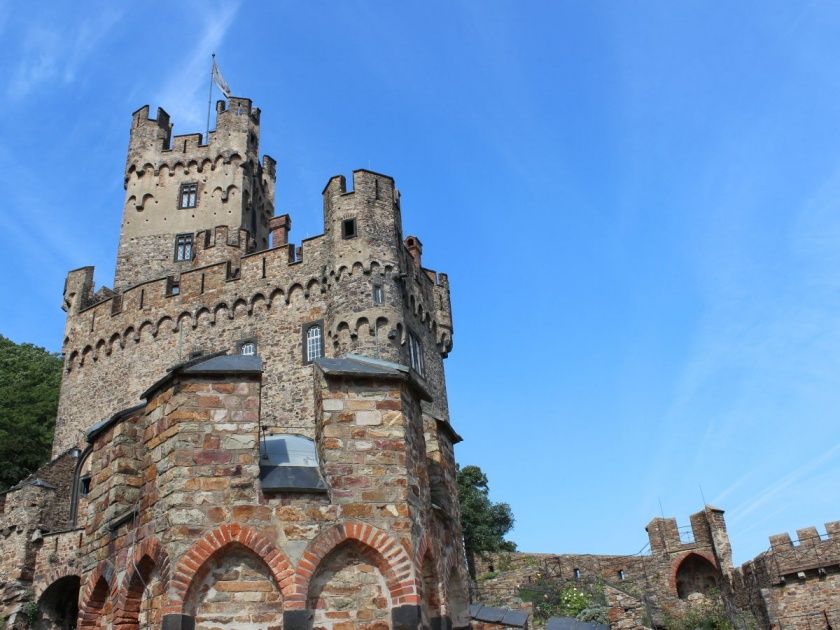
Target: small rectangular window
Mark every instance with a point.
(378, 294)
(415, 353)
(84, 485)
(189, 196)
(248, 349)
(348, 228)
(313, 343)
(577, 574)
(621, 575)
(183, 247)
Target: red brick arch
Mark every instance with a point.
(389, 556)
(127, 608)
(43, 583)
(678, 559)
(99, 588)
(218, 540)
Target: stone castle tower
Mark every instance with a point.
(251, 434)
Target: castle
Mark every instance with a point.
(255, 434)
(251, 434)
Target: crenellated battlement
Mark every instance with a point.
(808, 551)
(176, 186)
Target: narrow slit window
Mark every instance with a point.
(348, 228)
(314, 344)
(378, 294)
(577, 574)
(621, 575)
(189, 196)
(183, 247)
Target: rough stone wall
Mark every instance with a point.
(117, 347)
(175, 485)
(32, 509)
(796, 583)
(233, 188)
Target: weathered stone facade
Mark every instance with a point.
(791, 586)
(248, 436)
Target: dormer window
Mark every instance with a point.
(183, 247)
(348, 228)
(188, 197)
(289, 463)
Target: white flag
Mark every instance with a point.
(219, 80)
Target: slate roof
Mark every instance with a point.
(502, 616)
(356, 365)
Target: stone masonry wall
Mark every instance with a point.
(118, 347)
(176, 486)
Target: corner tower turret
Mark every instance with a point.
(177, 186)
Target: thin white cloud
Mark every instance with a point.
(54, 52)
(184, 90)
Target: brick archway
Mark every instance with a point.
(43, 583)
(389, 556)
(99, 588)
(148, 556)
(217, 540)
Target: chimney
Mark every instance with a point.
(280, 227)
(415, 248)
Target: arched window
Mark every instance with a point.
(289, 463)
(313, 343)
(81, 485)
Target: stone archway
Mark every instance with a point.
(695, 574)
(58, 605)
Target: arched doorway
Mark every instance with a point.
(58, 606)
(696, 575)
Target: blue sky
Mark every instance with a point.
(638, 205)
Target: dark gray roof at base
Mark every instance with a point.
(501, 616)
(291, 479)
(209, 365)
(356, 365)
(569, 623)
(102, 425)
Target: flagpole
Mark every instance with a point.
(210, 97)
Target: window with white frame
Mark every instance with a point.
(248, 349)
(415, 353)
(188, 197)
(314, 343)
(183, 247)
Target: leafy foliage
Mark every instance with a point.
(551, 598)
(484, 523)
(708, 614)
(29, 381)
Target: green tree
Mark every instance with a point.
(484, 523)
(29, 381)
